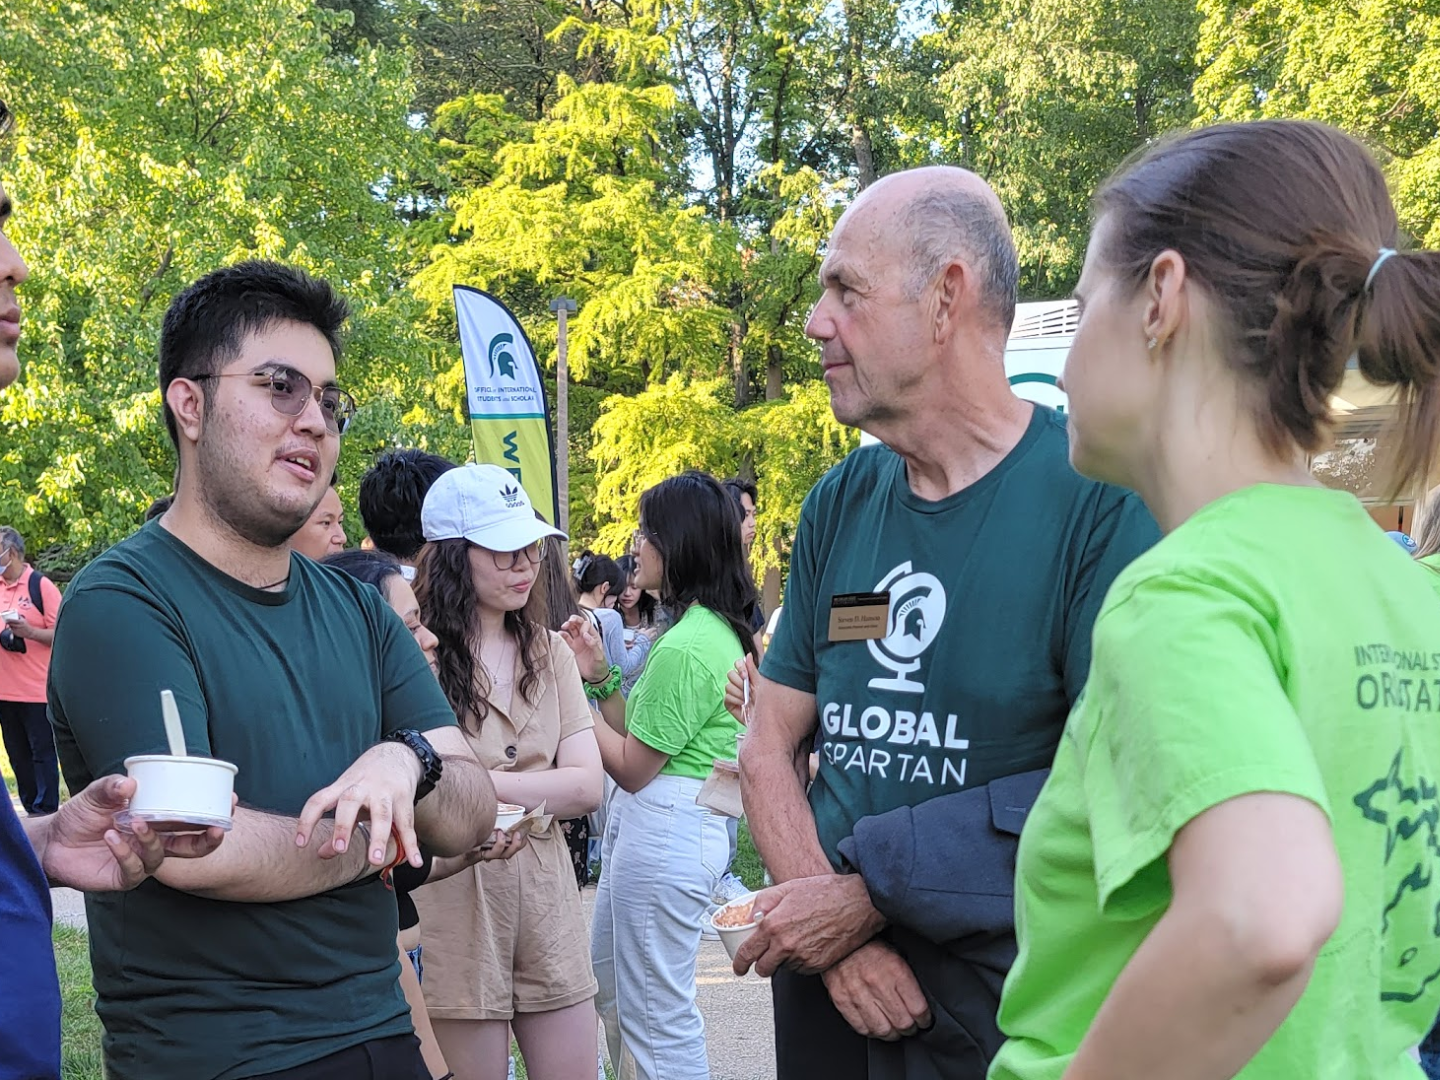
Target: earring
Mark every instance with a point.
(1151, 344)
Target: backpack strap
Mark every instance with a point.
(35, 598)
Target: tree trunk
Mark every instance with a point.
(774, 387)
(737, 362)
(864, 153)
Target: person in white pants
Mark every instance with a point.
(663, 853)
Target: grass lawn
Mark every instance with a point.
(79, 1026)
(8, 773)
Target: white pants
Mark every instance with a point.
(660, 860)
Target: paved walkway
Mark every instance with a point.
(738, 1027)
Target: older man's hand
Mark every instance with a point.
(809, 924)
(877, 993)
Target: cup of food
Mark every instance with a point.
(735, 922)
(179, 790)
(10, 616)
(508, 815)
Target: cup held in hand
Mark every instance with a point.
(735, 922)
(508, 815)
(187, 790)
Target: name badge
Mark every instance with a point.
(859, 616)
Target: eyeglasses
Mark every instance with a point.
(510, 560)
(290, 391)
(641, 537)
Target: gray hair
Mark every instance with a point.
(9, 538)
(948, 225)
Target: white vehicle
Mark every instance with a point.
(1035, 353)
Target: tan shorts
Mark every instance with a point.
(506, 937)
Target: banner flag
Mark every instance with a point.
(509, 420)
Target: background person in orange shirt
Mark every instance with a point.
(29, 743)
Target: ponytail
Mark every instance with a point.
(1398, 344)
(1287, 224)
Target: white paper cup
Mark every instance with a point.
(188, 790)
(732, 937)
(508, 815)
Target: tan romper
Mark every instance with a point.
(509, 936)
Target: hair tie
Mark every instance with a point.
(1380, 258)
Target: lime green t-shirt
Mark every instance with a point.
(1277, 641)
(678, 706)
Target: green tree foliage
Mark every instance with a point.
(683, 424)
(1368, 67)
(1047, 97)
(672, 165)
(158, 141)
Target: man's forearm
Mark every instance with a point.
(40, 635)
(460, 813)
(260, 863)
(781, 822)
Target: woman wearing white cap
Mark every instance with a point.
(509, 940)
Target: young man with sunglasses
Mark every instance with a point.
(277, 959)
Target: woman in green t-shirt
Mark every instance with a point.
(663, 853)
(1231, 871)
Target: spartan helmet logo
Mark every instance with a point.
(502, 356)
(917, 611)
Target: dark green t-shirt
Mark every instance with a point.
(993, 592)
(292, 687)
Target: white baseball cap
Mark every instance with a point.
(484, 504)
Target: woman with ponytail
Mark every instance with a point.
(663, 852)
(1231, 871)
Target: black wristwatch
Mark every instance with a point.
(429, 759)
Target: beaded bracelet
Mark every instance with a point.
(602, 690)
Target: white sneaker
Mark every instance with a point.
(728, 888)
(512, 1068)
(708, 932)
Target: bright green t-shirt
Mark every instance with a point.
(678, 706)
(1277, 641)
(292, 687)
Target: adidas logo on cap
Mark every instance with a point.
(513, 496)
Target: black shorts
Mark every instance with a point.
(395, 1058)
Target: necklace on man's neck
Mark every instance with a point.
(275, 584)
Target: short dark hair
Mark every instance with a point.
(208, 322)
(159, 506)
(7, 119)
(737, 486)
(591, 571)
(371, 567)
(392, 494)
